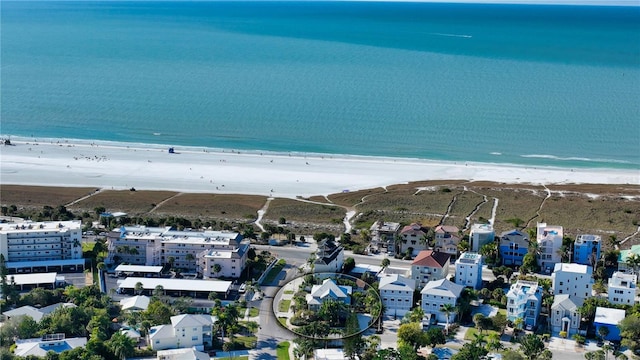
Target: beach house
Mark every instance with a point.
(39, 347)
(622, 288)
(429, 265)
(524, 301)
(549, 239)
(413, 239)
(609, 318)
(383, 236)
(469, 270)
(185, 331)
(624, 255)
(135, 303)
(565, 314)
(396, 293)
(329, 257)
(586, 249)
(480, 235)
(573, 279)
(447, 238)
(436, 294)
(36, 314)
(514, 245)
(328, 290)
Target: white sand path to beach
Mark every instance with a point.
(117, 166)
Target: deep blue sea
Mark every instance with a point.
(523, 84)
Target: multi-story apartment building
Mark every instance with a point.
(396, 293)
(514, 245)
(429, 265)
(573, 279)
(622, 288)
(469, 270)
(383, 236)
(586, 249)
(413, 237)
(447, 239)
(41, 241)
(549, 240)
(438, 293)
(524, 301)
(185, 331)
(192, 251)
(329, 257)
(480, 235)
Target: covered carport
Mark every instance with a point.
(26, 267)
(138, 270)
(176, 287)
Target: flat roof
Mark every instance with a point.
(177, 284)
(66, 262)
(36, 278)
(139, 268)
(609, 316)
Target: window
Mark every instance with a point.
(194, 338)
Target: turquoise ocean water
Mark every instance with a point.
(523, 84)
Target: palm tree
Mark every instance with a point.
(121, 345)
(158, 291)
(603, 331)
(217, 268)
(633, 263)
(138, 288)
(478, 319)
(448, 309)
(517, 323)
(385, 263)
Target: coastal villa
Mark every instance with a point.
(135, 303)
(414, 238)
(39, 347)
(469, 270)
(524, 301)
(396, 293)
(185, 331)
(328, 290)
(586, 249)
(436, 294)
(192, 251)
(447, 239)
(573, 279)
(514, 245)
(383, 236)
(429, 265)
(329, 257)
(480, 235)
(622, 288)
(43, 246)
(565, 314)
(36, 314)
(549, 239)
(609, 318)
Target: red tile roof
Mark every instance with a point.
(431, 258)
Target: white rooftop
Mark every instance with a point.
(469, 258)
(182, 354)
(136, 302)
(571, 267)
(481, 228)
(397, 282)
(363, 268)
(40, 346)
(609, 316)
(30, 226)
(329, 354)
(139, 268)
(177, 284)
(30, 279)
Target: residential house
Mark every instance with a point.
(135, 303)
(447, 239)
(514, 245)
(480, 235)
(328, 290)
(436, 294)
(622, 288)
(524, 301)
(330, 354)
(573, 279)
(191, 251)
(609, 318)
(413, 239)
(549, 239)
(182, 354)
(622, 259)
(383, 236)
(565, 314)
(39, 347)
(586, 249)
(329, 257)
(36, 313)
(469, 270)
(396, 293)
(185, 331)
(429, 265)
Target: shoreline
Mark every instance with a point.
(114, 165)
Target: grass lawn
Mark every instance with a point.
(288, 292)
(469, 336)
(284, 305)
(283, 321)
(248, 342)
(275, 270)
(502, 311)
(283, 351)
(253, 312)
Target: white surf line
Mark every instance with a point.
(162, 202)
(630, 236)
(84, 198)
(261, 213)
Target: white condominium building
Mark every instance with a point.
(573, 279)
(41, 241)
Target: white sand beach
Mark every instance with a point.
(147, 167)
